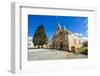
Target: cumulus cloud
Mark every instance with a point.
(87, 32)
(29, 37)
(85, 38)
(78, 34)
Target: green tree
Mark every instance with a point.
(85, 44)
(39, 37)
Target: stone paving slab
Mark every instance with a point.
(51, 54)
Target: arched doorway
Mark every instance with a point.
(61, 45)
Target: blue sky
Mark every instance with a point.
(77, 25)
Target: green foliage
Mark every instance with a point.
(85, 44)
(39, 37)
(83, 50)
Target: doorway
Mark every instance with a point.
(61, 45)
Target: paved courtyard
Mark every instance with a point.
(51, 54)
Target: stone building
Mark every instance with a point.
(65, 40)
(30, 43)
(48, 44)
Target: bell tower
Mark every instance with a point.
(58, 28)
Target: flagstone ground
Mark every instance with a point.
(52, 54)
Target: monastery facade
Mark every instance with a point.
(65, 40)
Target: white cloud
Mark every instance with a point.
(29, 37)
(78, 34)
(84, 38)
(87, 32)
